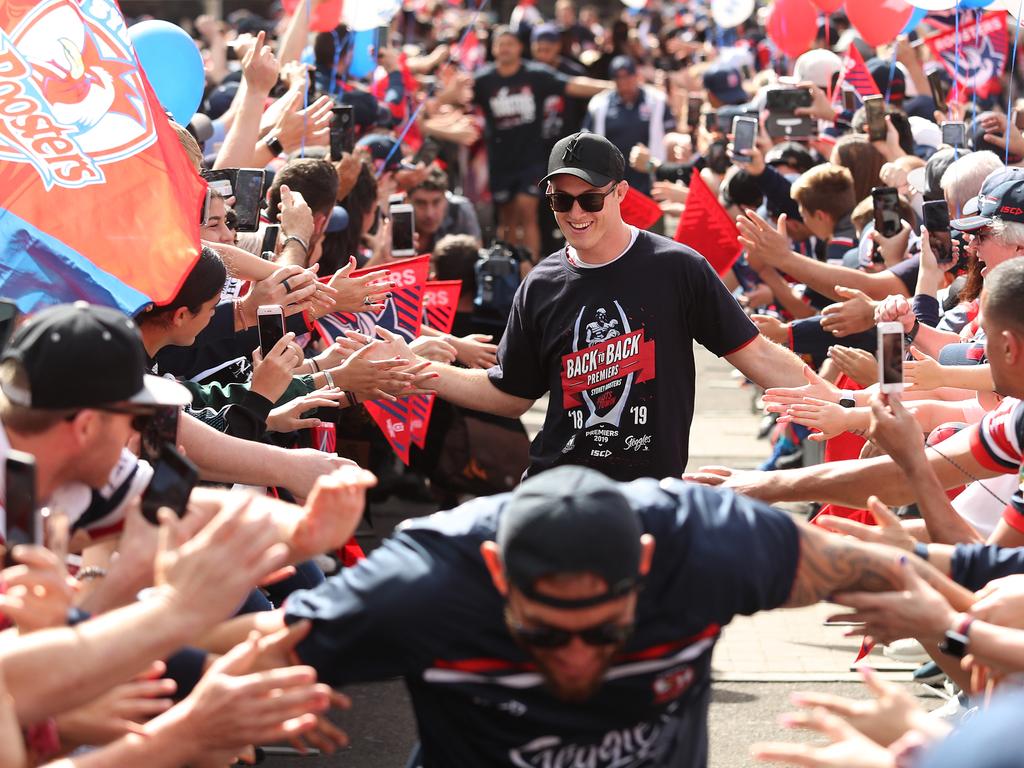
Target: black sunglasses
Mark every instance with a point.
(554, 637)
(141, 415)
(591, 202)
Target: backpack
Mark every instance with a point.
(497, 279)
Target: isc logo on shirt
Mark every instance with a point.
(670, 685)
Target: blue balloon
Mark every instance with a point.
(914, 20)
(975, 3)
(364, 54)
(173, 66)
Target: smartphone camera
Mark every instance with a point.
(402, 230)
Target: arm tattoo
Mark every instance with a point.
(831, 563)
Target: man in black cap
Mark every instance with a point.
(572, 621)
(73, 386)
(621, 402)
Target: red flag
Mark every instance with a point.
(440, 302)
(855, 72)
(98, 201)
(707, 228)
(403, 314)
(975, 54)
(639, 210)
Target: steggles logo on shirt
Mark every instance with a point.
(618, 749)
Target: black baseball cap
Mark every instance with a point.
(587, 156)
(896, 86)
(1001, 197)
(791, 153)
(725, 84)
(570, 520)
(85, 356)
(621, 64)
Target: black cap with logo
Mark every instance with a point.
(570, 520)
(1001, 197)
(84, 356)
(587, 156)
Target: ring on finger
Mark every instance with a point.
(287, 287)
(367, 300)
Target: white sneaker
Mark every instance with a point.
(907, 651)
(956, 711)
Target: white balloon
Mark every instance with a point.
(731, 13)
(360, 16)
(933, 5)
(635, 4)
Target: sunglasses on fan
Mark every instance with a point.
(554, 637)
(591, 202)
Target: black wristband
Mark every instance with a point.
(912, 334)
(274, 145)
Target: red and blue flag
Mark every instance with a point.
(974, 54)
(97, 199)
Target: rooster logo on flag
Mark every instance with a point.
(76, 74)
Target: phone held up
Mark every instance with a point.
(174, 477)
(890, 357)
(954, 133)
(343, 131)
(744, 132)
(270, 323)
(936, 221)
(874, 111)
(402, 230)
(886, 202)
(24, 523)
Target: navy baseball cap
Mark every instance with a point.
(880, 70)
(380, 148)
(726, 85)
(621, 64)
(1001, 197)
(587, 156)
(549, 32)
(570, 520)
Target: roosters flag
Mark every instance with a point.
(707, 228)
(440, 302)
(639, 210)
(401, 315)
(97, 199)
(981, 58)
(855, 72)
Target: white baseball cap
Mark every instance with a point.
(818, 66)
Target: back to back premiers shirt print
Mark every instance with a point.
(613, 346)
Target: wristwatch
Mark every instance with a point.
(956, 640)
(274, 145)
(912, 334)
(846, 398)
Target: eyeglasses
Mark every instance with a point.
(591, 202)
(555, 637)
(141, 416)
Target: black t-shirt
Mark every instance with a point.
(423, 606)
(614, 347)
(514, 111)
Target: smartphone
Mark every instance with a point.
(938, 86)
(248, 188)
(874, 110)
(221, 180)
(744, 132)
(269, 245)
(890, 357)
(427, 153)
(887, 210)
(787, 99)
(23, 525)
(383, 39)
(270, 322)
(174, 477)
(343, 131)
(8, 320)
(954, 133)
(711, 122)
(849, 100)
(936, 221)
(693, 107)
(402, 229)
(204, 215)
(161, 429)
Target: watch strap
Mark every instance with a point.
(847, 398)
(274, 145)
(910, 335)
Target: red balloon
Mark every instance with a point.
(326, 16)
(878, 22)
(829, 6)
(792, 25)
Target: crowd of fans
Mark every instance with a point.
(137, 636)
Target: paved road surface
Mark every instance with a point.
(757, 664)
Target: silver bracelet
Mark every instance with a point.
(330, 379)
(297, 239)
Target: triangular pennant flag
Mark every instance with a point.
(98, 201)
(639, 210)
(855, 72)
(402, 314)
(707, 228)
(440, 303)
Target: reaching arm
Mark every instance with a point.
(471, 388)
(784, 293)
(768, 364)
(585, 87)
(830, 564)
